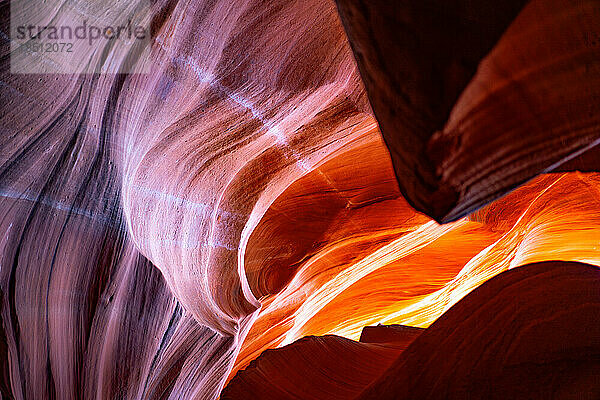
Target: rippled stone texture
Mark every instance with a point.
(475, 98)
(160, 231)
(507, 339)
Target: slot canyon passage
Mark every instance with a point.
(308, 199)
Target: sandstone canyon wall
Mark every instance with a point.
(227, 210)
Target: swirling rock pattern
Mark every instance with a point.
(162, 230)
(475, 98)
(506, 339)
(375, 273)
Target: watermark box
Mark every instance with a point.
(79, 36)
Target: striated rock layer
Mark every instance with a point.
(507, 339)
(160, 230)
(375, 273)
(476, 98)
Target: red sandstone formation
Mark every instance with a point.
(507, 339)
(312, 368)
(230, 193)
(475, 98)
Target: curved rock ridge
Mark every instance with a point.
(476, 98)
(107, 179)
(199, 175)
(160, 230)
(373, 273)
(315, 367)
(506, 339)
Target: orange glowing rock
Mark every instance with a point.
(507, 339)
(162, 230)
